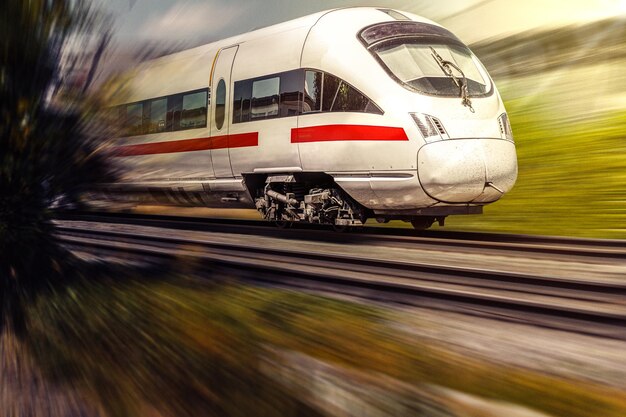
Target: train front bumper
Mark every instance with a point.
(467, 170)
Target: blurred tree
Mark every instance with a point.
(47, 151)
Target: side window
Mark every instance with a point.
(145, 119)
(172, 118)
(373, 108)
(134, 119)
(241, 101)
(265, 98)
(165, 114)
(193, 110)
(220, 104)
(290, 93)
(296, 92)
(330, 87)
(120, 120)
(158, 110)
(339, 96)
(349, 99)
(312, 92)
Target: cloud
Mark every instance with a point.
(186, 21)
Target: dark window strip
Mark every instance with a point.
(183, 111)
(323, 93)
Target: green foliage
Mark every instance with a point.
(45, 152)
(189, 348)
(179, 348)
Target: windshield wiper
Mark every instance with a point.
(446, 67)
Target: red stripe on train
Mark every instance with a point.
(190, 145)
(346, 132)
(300, 135)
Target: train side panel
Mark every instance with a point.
(277, 53)
(380, 172)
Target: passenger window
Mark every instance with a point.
(349, 99)
(312, 92)
(241, 102)
(296, 92)
(265, 99)
(194, 110)
(220, 104)
(373, 108)
(172, 118)
(156, 119)
(114, 116)
(134, 119)
(339, 96)
(330, 87)
(290, 93)
(120, 119)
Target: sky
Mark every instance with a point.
(471, 20)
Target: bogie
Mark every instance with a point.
(285, 199)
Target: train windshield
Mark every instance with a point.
(416, 65)
(427, 58)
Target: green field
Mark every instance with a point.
(571, 144)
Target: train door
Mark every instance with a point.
(220, 111)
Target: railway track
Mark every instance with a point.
(543, 246)
(595, 307)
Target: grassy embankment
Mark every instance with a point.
(564, 91)
(572, 171)
(187, 348)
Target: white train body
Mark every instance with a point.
(397, 139)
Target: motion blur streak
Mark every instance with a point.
(97, 336)
(564, 90)
(46, 157)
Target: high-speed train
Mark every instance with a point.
(332, 118)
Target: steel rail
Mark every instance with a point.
(541, 246)
(584, 307)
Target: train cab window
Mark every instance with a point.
(220, 104)
(265, 98)
(312, 92)
(425, 58)
(134, 119)
(156, 119)
(193, 113)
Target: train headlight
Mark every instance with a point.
(505, 127)
(430, 127)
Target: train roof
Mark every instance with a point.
(181, 69)
(301, 22)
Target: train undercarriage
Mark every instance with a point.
(313, 198)
(286, 199)
(289, 199)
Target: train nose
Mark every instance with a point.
(467, 170)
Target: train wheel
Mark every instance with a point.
(283, 224)
(341, 229)
(422, 223)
